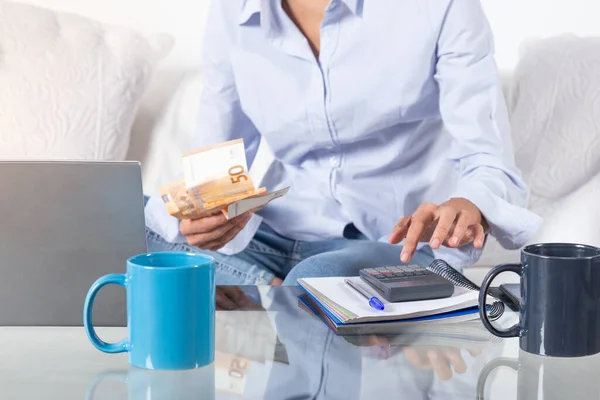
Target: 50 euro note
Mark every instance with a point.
(217, 172)
(216, 180)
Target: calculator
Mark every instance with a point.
(407, 283)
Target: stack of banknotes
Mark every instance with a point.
(215, 180)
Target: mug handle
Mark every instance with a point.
(514, 330)
(119, 347)
(487, 370)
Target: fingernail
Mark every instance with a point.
(435, 243)
(455, 240)
(404, 257)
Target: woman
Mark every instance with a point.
(385, 117)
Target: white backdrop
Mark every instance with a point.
(513, 21)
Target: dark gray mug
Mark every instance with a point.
(560, 300)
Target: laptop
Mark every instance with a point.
(62, 226)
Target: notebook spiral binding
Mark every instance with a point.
(443, 269)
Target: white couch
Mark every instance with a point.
(551, 95)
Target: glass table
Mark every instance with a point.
(267, 347)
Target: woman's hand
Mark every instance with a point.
(441, 360)
(233, 298)
(455, 223)
(213, 232)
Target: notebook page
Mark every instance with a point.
(353, 308)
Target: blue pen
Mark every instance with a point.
(373, 301)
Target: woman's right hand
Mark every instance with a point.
(212, 232)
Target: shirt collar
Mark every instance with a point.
(252, 7)
(354, 5)
(249, 8)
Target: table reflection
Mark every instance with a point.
(267, 347)
(141, 384)
(547, 378)
(421, 362)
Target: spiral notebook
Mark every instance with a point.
(345, 306)
(337, 305)
(382, 327)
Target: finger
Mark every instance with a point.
(222, 241)
(474, 352)
(276, 282)
(382, 343)
(440, 364)
(456, 360)
(235, 294)
(202, 239)
(223, 301)
(222, 234)
(202, 225)
(375, 340)
(479, 236)
(447, 215)
(413, 357)
(419, 221)
(462, 224)
(239, 297)
(399, 231)
(469, 236)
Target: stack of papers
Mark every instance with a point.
(466, 335)
(347, 312)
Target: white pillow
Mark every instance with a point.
(70, 86)
(173, 135)
(554, 101)
(555, 114)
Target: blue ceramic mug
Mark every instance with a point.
(170, 311)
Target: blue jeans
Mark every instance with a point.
(271, 255)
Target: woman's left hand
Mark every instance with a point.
(455, 223)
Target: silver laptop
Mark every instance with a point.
(63, 225)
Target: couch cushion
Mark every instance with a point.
(70, 86)
(554, 101)
(556, 115)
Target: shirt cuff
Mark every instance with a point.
(160, 221)
(242, 240)
(511, 225)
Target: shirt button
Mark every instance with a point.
(333, 161)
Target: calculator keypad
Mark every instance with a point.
(395, 272)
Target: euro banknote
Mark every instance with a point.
(216, 179)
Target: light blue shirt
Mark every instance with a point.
(403, 106)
